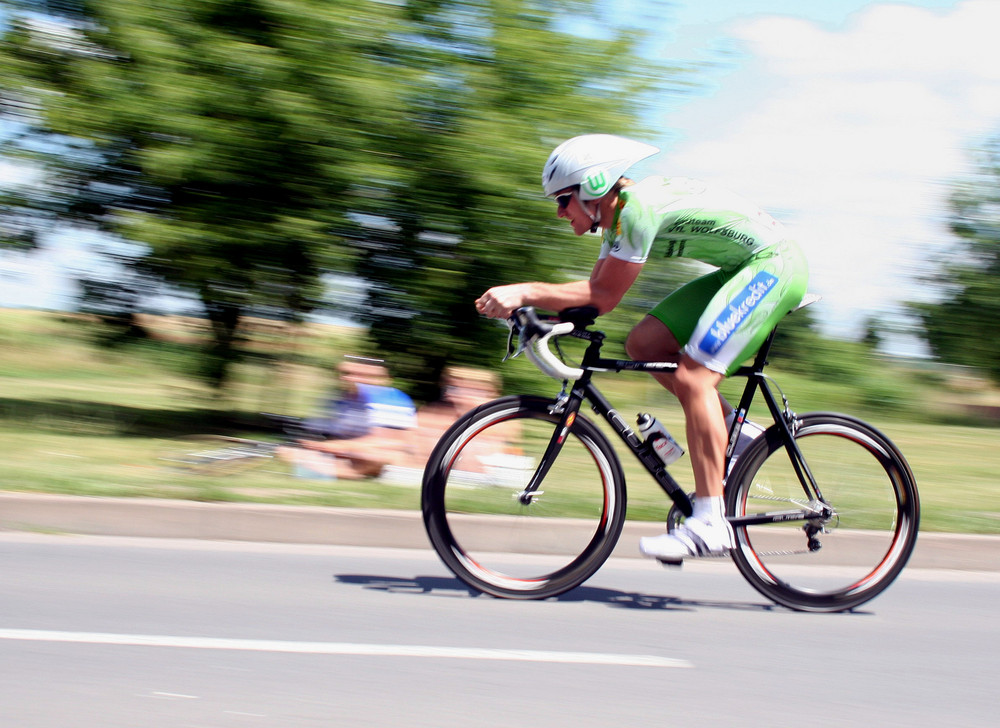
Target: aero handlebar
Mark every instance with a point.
(534, 336)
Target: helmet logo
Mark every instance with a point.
(596, 183)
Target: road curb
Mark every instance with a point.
(162, 518)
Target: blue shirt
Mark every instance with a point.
(374, 406)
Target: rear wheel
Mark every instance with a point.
(499, 539)
(858, 538)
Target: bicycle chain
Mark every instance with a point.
(787, 500)
(793, 502)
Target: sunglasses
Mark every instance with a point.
(564, 200)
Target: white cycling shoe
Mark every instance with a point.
(691, 539)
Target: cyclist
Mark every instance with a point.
(709, 326)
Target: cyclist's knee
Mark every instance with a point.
(635, 348)
(692, 379)
(651, 340)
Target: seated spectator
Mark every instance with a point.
(366, 427)
(462, 389)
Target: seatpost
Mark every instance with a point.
(760, 361)
(755, 379)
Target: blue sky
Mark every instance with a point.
(833, 13)
(848, 120)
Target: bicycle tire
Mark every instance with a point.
(864, 545)
(216, 454)
(487, 536)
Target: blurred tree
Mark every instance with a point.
(963, 327)
(873, 336)
(253, 145)
(223, 135)
(501, 83)
(798, 345)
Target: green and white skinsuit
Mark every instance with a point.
(722, 318)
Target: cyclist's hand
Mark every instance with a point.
(500, 301)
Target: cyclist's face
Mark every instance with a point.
(569, 206)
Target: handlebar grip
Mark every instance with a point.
(538, 333)
(543, 358)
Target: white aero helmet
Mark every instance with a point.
(592, 161)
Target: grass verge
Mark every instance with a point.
(82, 420)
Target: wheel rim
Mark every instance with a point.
(508, 545)
(867, 541)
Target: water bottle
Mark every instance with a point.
(657, 437)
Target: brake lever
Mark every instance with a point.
(514, 351)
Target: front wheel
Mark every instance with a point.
(841, 550)
(494, 535)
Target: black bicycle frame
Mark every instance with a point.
(568, 405)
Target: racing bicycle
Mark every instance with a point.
(524, 497)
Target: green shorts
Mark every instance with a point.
(721, 319)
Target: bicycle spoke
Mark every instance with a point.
(855, 544)
(504, 539)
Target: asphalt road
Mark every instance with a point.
(107, 632)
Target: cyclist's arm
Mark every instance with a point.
(609, 281)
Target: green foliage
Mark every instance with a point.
(251, 146)
(963, 327)
(221, 135)
(799, 346)
(500, 85)
(85, 421)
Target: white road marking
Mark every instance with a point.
(340, 648)
(172, 696)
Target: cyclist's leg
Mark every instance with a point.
(696, 389)
(662, 334)
(731, 328)
(661, 337)
(707, 531)
(733, 324)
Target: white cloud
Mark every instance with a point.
(853, 138)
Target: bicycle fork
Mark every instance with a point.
(568, 406)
